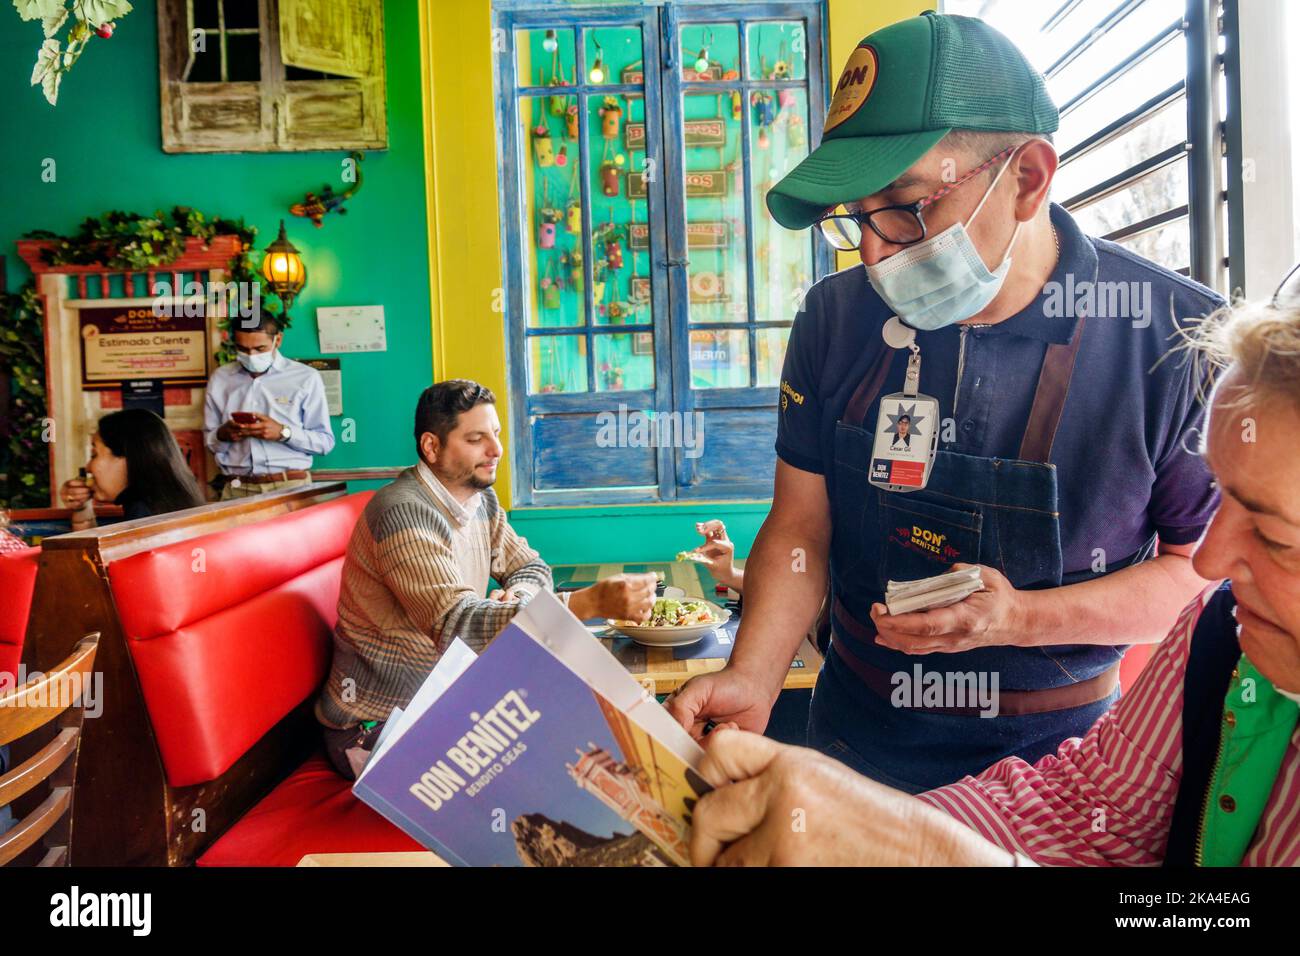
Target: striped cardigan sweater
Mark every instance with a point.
(412, 581)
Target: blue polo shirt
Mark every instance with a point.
(1126, 449)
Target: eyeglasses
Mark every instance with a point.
(900, 225)
(1287, 295)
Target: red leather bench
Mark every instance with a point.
(229, 633)
(228, 640)
(17, 582)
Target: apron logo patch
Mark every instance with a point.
(926, 541)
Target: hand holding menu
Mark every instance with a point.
(542, 751)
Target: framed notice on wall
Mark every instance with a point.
(131, 341)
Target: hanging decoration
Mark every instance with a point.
(764, 106)
(572, 260)
(543, 148)
(85, 20)
(559, 102)
(550, 217)
(611, 115)
(316, 207)
(551, 286)
(702, 61)
(731, 75)
(610, 237)
(609, 178)
(597, 74)
(571, 120)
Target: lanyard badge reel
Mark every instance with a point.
(907, 429)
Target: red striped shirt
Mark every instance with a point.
(1107, 799)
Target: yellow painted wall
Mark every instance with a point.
(465, 270)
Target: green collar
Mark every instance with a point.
(1257, 726)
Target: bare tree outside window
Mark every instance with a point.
(1144, 72)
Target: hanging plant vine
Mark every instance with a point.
(136, 243)
(24, 453)
(85, 19)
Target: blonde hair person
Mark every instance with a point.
(1151, 764)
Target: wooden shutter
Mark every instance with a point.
(332, 36)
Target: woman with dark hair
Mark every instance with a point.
(136, 463)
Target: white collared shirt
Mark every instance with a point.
(291, 393)
(461, 514)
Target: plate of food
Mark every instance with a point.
(675, 623)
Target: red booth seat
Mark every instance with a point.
(17, 582)
(229, 633)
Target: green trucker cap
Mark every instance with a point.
(904, 88)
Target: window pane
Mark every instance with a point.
(625, 361)
(783, 258)
(612, 52)
(617, 189)
(1165, 127)
(771, 354)
(557, 363)
(1169, 245)
(544, 57)
(715, 210)
(1159, 71)
(206, 15)
(1115, 46)
(243, 58)
(207, 63)
(1159, 192)
(240, 14)
(710, 51)
(778, 51)
(553, 270)
(719, 358)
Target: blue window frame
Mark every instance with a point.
(649, 294)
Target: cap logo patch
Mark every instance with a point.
(854, 87)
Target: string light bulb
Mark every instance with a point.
(551, 43)
(598, 68)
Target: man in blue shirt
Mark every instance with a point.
(285, 418)
(1066, 465)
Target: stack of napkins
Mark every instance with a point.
(903, 597)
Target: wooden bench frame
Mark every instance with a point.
(125, 812)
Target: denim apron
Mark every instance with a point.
(996, 512)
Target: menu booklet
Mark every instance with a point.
(541, 751)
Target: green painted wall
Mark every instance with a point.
(631, 533)
(104, 138)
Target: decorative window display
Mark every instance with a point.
(645, 272)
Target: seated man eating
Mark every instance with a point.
(1198, 764)
(418, 566)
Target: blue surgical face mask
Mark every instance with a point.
(942, 279)
(256, 362)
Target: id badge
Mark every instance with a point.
(906, 439)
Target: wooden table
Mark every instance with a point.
(404, 858)
(657, 668)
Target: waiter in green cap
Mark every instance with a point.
(1052, 440)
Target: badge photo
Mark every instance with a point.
(906, 439)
